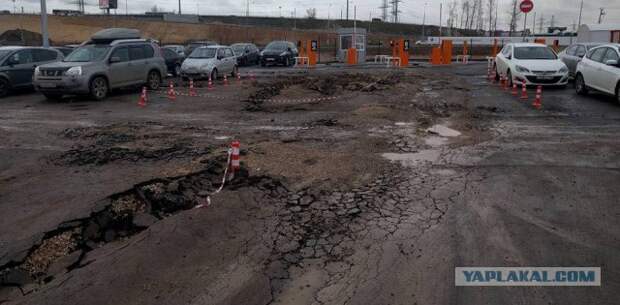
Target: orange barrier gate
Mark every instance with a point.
(446, 52)
(494, 50)
(436, 56)
(540, 40)
(400, 50)
(352, 56)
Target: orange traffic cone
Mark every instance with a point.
(172, 95)
(523, 91)
(515, 92)
(192, 90)
(225, 80)
(538, 101)
(238, 77)
(143, 98)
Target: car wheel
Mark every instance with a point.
(214, 75)
(53, 96)
(177, 70)
(4, 87)
(509, 77)
(580, 85)
(496, 74)
(99, 88)
(153, 81)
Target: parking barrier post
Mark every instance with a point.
(192, 90)
(143, 98)
(234, 159)
(538, 101)
(171, 93)
(523, 91)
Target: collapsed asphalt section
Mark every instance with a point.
(117, 217)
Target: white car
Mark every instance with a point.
(532, 63)
(211, 61)
(600, 70)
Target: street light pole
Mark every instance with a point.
(46, 42)
(580, 11)
(424, 21)
(179, 7)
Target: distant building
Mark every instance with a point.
(599, 33)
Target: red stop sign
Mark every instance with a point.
(526, 6)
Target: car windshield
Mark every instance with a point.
(534, 53)
(203, 53)
(4, 53)
(88, 53)
(277, 46)
(238, 48)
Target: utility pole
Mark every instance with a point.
(424, 21)
(440, 17)
(580, 11)
(179, 7)
(384, 9)
(395, 10)
(552, 21)
(534, 24)
(347, 9)
(541, 23)
(601, 14)
(45, 42)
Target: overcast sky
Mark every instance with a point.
(565, 12)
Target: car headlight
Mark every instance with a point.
(37, 71)
(564, 70)
(283, 54)
(74, 71)
(522, 69)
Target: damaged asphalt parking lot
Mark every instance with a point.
(358, 186)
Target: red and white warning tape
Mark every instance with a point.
(228, 165)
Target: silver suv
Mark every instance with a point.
(100, 65)
(211, 61)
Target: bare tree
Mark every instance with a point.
(154, 9)
(452, 15)
(465, 10)
(515, 15)
(479, 15)
(311, 13)
(491, 4)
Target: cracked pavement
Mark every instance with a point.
(360, 201)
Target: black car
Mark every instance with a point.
(18, 65)
(279, 52)
(247, 54)
(64, 50)
(173, 61)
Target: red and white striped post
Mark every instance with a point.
(523, 91)
(210, 85)
(538, 101)
(234, 159)
(171, 93)
(192, 90)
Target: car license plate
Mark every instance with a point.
(546, 77)
(271, 59)
(47, 85)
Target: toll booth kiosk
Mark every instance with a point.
(346, 47)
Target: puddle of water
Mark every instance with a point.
(222, 138)
(428, 155)
(444, 131)
(403, 124)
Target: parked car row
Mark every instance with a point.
(594, 66)
(115, 58)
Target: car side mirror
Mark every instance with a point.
(219, 57)
(612, 62)
(509, 57)
(115, 59)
